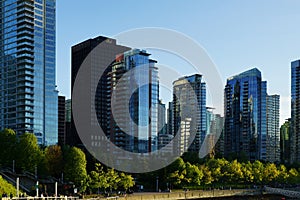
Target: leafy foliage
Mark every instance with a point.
(109, 178)
(8, 142)
(29, 154)
(6, 188)
(54, 160)
(75, 165)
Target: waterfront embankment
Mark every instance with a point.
(195, 194)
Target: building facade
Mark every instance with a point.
(245, 127)
(28, 95)
(185, 106)
(142, 135)
(61, 120)
(295, 113)
(98, 57)
(273, 129)
(162, 126)
(285, 132)
(68, 117)
(170, 116)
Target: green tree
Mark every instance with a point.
(270, 173)
(247, 171)
(176, 172)
(54, 160)
(193, 175)
(293, 176)
(283, 174)
(8, 142)
(29, 154)
(217, 168)
(234, 173)
(75, 166)
(113, 179)
(207, 175)
(126, 181)
(98, 179)
(258, 170)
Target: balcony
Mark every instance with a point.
(26, 26)
(25, 43)
(21, 61)
(25, 20)
(24, 9)
(25, 32)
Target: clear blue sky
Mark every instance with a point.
(237, 35)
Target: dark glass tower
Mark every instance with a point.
(295, 114)
(80, 52)
(61, 120)
(245, 125)
(28, 96)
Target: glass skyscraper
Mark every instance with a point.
(143, 103)
(245, 125)
(273, 129)
(28, 95)
(295, 114)
(184, 91)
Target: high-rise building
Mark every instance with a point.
(273, 131)
(162, 127)
(164, 138)
(218, 129)
(61, 120)
(163, 141)
(143, 103)
(245, 127)
(285, 131)
(210, 118)
(68, 110)
(185, 130)
(214, 129)
(28, 95)
(68, 118)
(170, 119)
(295, 112)
(99, 56)
(185, 89)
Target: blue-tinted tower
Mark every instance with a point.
(143, 103)
(245, 126)
(295, 113)
(28, 96)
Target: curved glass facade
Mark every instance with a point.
(245, 115)
(295, 113)
(143, 103)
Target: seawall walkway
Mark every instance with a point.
(195, 194)
(287, 193)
